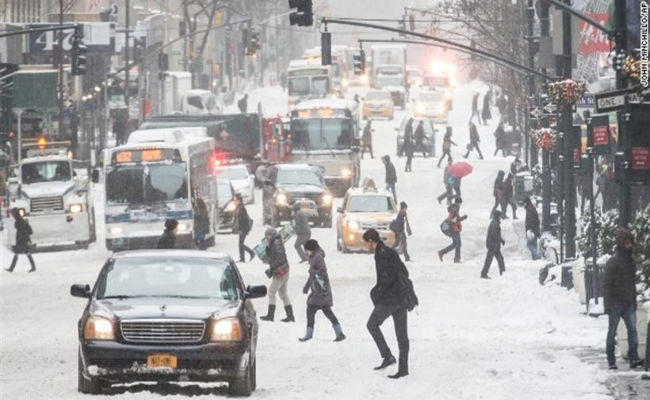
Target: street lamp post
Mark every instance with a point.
(624, 195)
(567, 150)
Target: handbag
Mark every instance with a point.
(446, 227)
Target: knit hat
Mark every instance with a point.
(171, 224)
(311, 245)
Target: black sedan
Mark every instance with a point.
(168, 315)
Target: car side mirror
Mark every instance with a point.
(95, 175)
(340, 210)
(78, 290)
(254, 292)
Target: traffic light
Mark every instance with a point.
(163, 62)
(79, 50)
(618, 61)
(303, 16)
(253, 43)
(359, 61)
(138, 49)
(326, 48)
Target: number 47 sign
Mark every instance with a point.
(45, 41)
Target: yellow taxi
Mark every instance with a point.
(364, 208)
(378, 103)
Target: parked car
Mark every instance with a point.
(242, 180)
(429, 142)
(168, 315)
(378, 103)
(364, 208)
(225, 204)
(288, 183)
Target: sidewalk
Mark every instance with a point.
(623, 384)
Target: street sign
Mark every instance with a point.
(98, 36)
(615, 100)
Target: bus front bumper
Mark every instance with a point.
(62, 229)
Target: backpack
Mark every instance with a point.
(410, 299)
(446, 227)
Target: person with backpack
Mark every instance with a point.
(401, 227)
(390, 297)
(446, 145)
(452, 227)
(23, 232)
(474, 140)
(244, 224)
(278, 271)
(493, 243)
(320, 297)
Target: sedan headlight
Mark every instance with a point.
(98, 328)
(327, 199)
(228, 329)
(231, 206)
(420, 108)
(353, 225)
(346, 172)
(183, 227)
(281, 199)
(75, 208)
(116, 230)
(364, 79)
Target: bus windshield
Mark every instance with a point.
(321, 134)
(49, 171)
(146, 184)
(299, 86)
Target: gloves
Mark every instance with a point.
(268, 273)
(305, 290)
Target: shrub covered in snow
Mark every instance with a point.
(605, 225)
(641, 231)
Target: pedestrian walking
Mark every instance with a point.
(447, 181)
(301, 229)
(585, 186)
(502, 103)
(500, 139)
(391, 175)
(455, 219)
(401, 228)
(243, 224)
(475, 108)
(168, 238)
(619, 295)
(320, 297)
(446, 145)
(419, 139)
(388, 298)
(242, 104)
(485, 113)
(532, 228)
(474, 140)
(23, 242)
(366, 139)
(201, 224)
(509, 197)
(498, 190)
(409, 147)
(493, 243)
(278, 271)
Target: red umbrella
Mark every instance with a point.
(460, 169)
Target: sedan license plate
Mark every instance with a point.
(161, 360)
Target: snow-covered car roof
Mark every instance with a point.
(325, 103)
(172, 253)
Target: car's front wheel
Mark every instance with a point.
(243, 386)
(87, 385)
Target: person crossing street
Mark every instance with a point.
(366, 140)
(493, 242)
(278, 271)
(23, 232)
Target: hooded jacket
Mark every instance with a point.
(277, 256)
(23, 232)
(318, 281)
(391, 175)
(388, 291)
(167, 240)
(532, 220)
(619, 282)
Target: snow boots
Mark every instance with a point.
(289, 311)
(339, 333)
(308, 334)
(269, 315)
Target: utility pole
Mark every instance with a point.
(59, 56)
(624, 195)
(546, 156)
(531, 148)
(567, 127)
(126, 63)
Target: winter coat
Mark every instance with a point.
(242, 104)
(508, 190)
(500, 136)
(499, 188)
(301, 224)
(391, 175)
(486, 114)
(409, 147)
(167, 240)
(366, 138)
(473, 135)
(277, 257)
(402, 223)
(419, 135)
(447, 142)
(318, 281)
(388, 291)
(23, 232)
(455, 219)
(201, 226)
(532, 221)
(494, 240)
(243, 220)
(619, 281)
(475, 102)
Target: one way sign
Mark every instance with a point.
(615, 100)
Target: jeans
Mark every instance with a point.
(488, 261)
(628, 313)
(379, 314)
(311, 314)
(279, 286)
(243, 247)
(474, 146)
(391, 187)
(442, 157)
(455, 244)
(300, 242)
(400, 237)
(532, 246)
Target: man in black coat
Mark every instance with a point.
(474, 140)
(242, 104)
(532, 228)
(389, 299)
(243, 228)
(619, 295)
(493, 243)
(391, 175)
(401, 228)
(23, 232)
(168, 238)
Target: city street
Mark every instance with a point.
(504, 338)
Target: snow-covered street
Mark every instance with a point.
(504, 338)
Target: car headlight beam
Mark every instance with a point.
(281, 199)
(327, 199)
(346, 172)
(231, 206)
(115, 230)
(353, 225)
(75, 208)
(228, 329)
(98, 328)
(183, 227)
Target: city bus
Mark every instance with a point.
(307, 79)
(155, 176)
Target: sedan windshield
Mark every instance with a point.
(49, 171)
(370, 204)
(299, 177)
(168, 277)
(146, 184)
